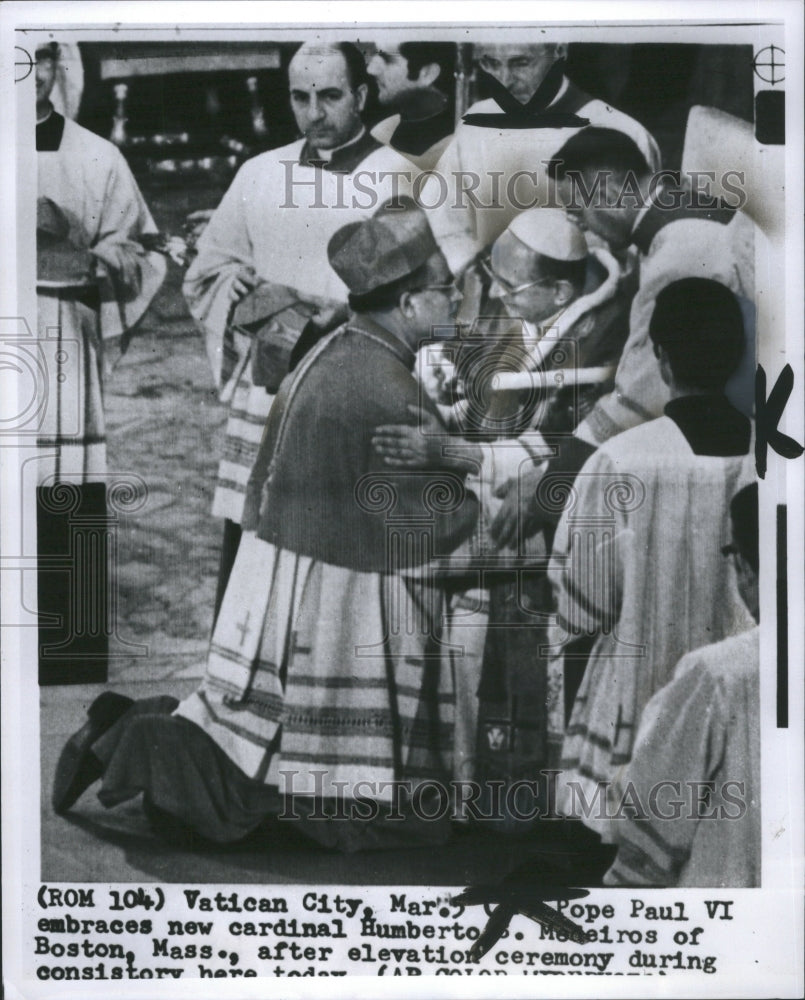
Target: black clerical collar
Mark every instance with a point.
(711, 424)
(344, 159)
(49, 133)
(542, 110)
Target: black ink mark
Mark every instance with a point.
(527, 890)
(770, 117)
(528, 902)
(782, 616)
(767, 416)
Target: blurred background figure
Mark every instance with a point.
(95, 279)
(677, 234)
(414, 81)
(68, 87)
(704, 728)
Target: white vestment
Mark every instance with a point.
(702, 727)
(637, 563)
(685, 248)
(331, 660)
(90, 181)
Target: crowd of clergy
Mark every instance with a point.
(490, 543)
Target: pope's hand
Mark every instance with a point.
(122, 258)
(517, 518)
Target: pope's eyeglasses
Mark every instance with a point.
(507, 287)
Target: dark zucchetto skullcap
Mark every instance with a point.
(393, 243)
(699, 323)
(47, 50)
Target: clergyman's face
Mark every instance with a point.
(390, 70)
(595, 204)
(520, 68)
(326, 107)
(434, 306)
(45, 76)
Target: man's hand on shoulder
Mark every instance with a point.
(417, 445)
(421, 445)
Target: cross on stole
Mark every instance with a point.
(509, 726)
(243, 628)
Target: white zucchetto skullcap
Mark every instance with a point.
(549, 232)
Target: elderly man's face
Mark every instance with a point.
(517, 283)
(326, 107)
(520, 68)
(45, 76)
(390, 69)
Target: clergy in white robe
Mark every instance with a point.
(271, 230)
(702, 729)
(273, 224)
(637, 562)
(695, 770)
(94, 281)
(495, 165)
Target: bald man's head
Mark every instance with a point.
(520, 68)
(328, 93)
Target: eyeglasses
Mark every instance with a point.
(451, 288)
(506, 287)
